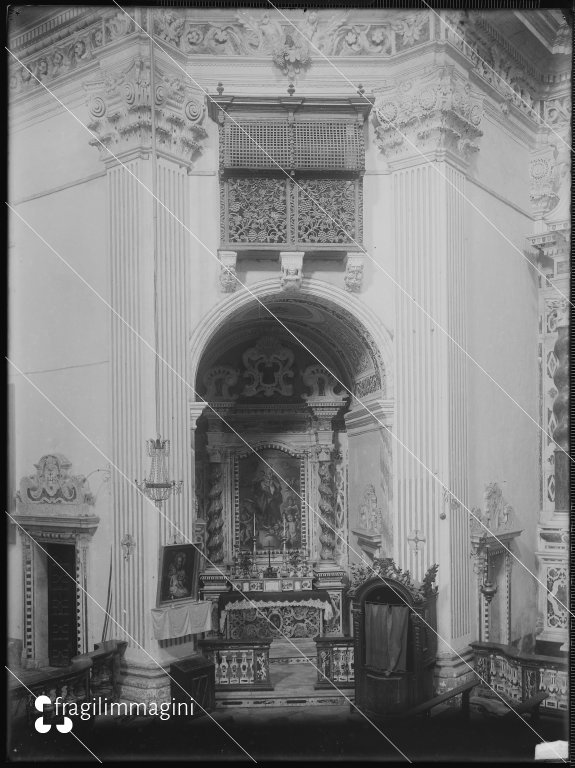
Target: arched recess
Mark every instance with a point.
(368, 327)
(283, 378)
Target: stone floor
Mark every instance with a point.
(319, 733)
(311, 725)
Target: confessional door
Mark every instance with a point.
(62, 632)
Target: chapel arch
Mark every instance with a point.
(294, 384)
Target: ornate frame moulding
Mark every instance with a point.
(53, 506)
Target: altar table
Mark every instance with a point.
(285, 614)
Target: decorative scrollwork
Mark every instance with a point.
(53, 484)
(268, 367)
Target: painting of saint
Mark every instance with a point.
(269, 510)
(177, 572)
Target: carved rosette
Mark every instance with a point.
(215, 538)
(436, 112)
(326, 507)
(121, 114)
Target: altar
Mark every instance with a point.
(263, 614)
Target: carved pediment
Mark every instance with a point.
(53, 484)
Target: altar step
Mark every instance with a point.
(296, 651)
(293, 686)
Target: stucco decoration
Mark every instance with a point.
(512, 78)
(53, 484)
(437, 111)
(291, 46)
(75, 46)
(218, 381)
(268, 368)
(119, 105)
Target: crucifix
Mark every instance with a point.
(415, 538)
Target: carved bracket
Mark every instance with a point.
(291, 263)
(228, 275)
(354, 272)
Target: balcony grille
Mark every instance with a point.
(320, 145)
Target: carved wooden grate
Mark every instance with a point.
(258, 212)
(326, 145)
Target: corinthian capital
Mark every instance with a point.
(437, 112)
(121, 114)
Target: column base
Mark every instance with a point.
(451, 671)
(144, 681)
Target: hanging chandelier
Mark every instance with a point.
(157, 486)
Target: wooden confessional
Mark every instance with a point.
(395, 645)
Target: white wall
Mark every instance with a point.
(502, 337)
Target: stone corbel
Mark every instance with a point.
(195, 409)
(291, 263)
(354, 272)
(228, 275)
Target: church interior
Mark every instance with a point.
(288, 381)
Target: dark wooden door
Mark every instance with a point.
(62, 643)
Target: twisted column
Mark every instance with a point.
(561, 411)
(215, 541)
(326, 508)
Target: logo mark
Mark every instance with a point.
(41, 726)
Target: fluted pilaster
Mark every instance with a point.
(132, 401)
(431, 384)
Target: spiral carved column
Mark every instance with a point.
(561, 411)
(326, 507)
(215, 537)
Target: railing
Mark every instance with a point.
(519, 676)
(71, 684)
(240, 664)
(88, 676)
(335, 661)
(105, 671)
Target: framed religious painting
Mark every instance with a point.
(177, 573)
(269, 507)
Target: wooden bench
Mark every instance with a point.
(530, 706)
(465, 691)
